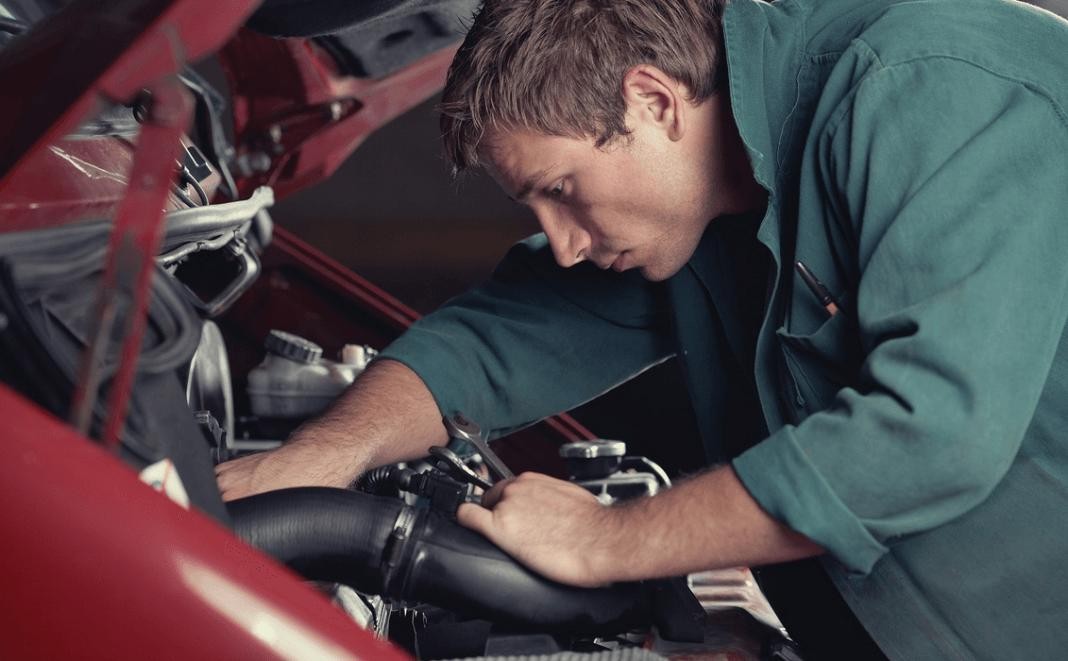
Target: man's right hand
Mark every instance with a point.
(295, 464)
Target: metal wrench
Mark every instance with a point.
(461, 428)
(450, 462)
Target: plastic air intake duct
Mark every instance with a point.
(379, 545)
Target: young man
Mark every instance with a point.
(905, 423)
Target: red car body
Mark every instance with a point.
(98, 564)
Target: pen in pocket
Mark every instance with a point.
(817, 287)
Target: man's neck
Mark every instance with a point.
(739, 190)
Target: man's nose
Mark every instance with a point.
(570, 245)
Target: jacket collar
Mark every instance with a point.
(763, 43)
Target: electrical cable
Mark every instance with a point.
(187, 178)
(182, 197)
(200, 191)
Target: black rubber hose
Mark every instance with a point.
(322, 534)
(456, 568)
(380, 545)
(376, 480)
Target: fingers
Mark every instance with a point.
(476, 518)
(224, 477)
(519, 484)
(236, 465)
(480, 517)
(229, 487)
(232, 492)
(234, 477)
(496, 492)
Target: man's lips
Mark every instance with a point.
(604, 264)
(617, 263)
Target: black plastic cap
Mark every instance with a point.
(293, 347)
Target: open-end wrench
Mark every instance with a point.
(459, 427)
(456, 468)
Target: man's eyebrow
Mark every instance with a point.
(531, 183)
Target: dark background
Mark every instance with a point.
(394, 214)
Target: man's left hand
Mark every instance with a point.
(556, 528)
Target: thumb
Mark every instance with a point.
(475, 517)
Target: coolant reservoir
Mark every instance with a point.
(295, 381)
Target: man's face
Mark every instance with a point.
(642, 202)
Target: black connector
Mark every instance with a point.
(442, 493)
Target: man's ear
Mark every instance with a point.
(653, 96)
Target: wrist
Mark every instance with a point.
(610, 556)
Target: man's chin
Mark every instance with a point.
(657, 274)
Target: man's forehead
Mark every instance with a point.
(505, 150)
(519, 160)
(518, 184)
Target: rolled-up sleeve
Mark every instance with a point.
(953, 184)
(535, 339)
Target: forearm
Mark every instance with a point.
(386, 416)
(707, 522)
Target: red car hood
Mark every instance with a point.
(118, 46)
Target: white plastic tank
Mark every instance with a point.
(295, 381)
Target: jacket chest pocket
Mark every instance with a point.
(819, 364)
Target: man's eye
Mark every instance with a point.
(556, 191)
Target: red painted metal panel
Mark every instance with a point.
(64, 64)
(75, 179)
(98, 565)
(297, 118)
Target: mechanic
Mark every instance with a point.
(904, 420)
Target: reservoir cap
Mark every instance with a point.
(293, 347)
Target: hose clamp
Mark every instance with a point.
(394, 551)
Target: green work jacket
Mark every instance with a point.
(916, 159)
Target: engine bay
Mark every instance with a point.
(247, 333)
(388, 551)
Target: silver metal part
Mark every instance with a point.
(593, 449)
(206, 223)
(252, 445)
(215, 227)
(247, 272)
(456, 467)
(620, 486)
(459, 427)
(208, 386)
(734, 588)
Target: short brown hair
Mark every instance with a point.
(556, 66)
